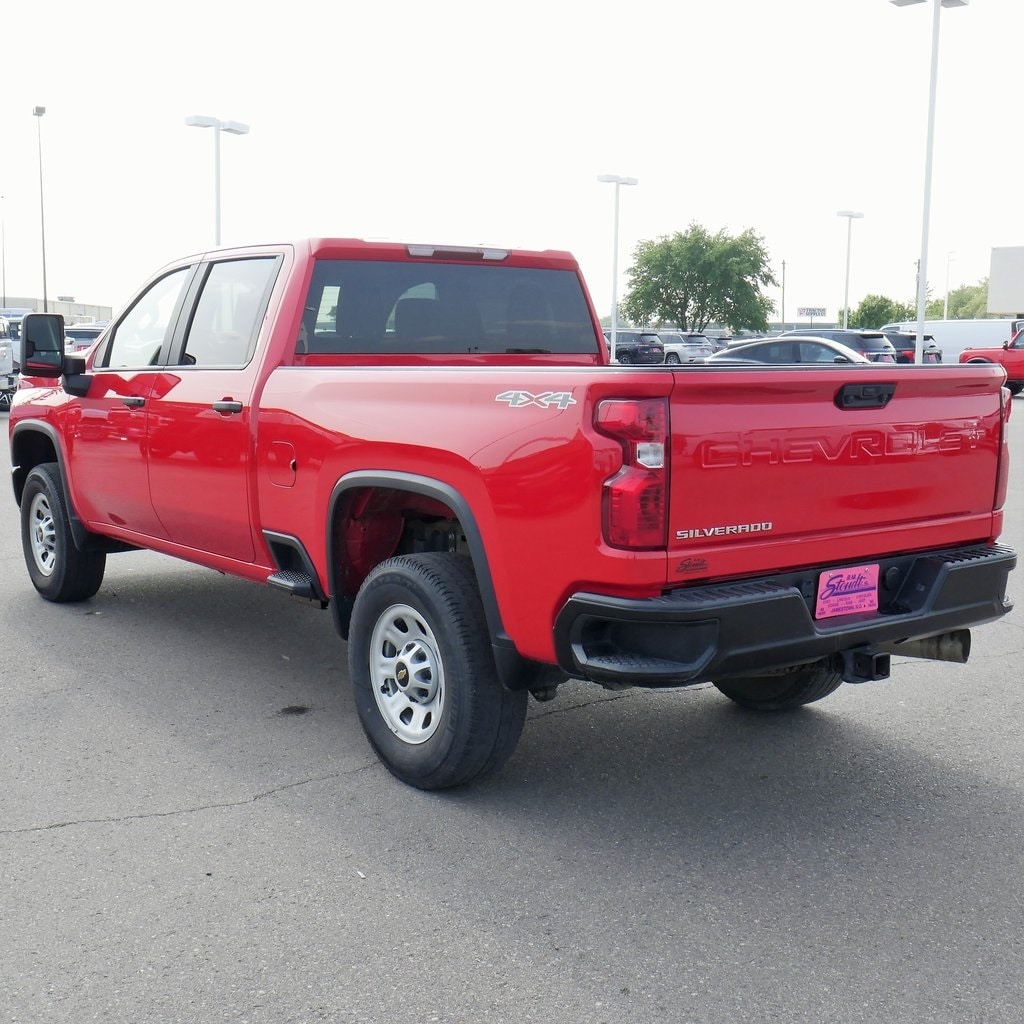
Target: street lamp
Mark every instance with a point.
(218, 126)
(3, 247)
(922, 278)
(38, 114)
(616, 180)
(783, 310)
(851, 216)
(945, 302)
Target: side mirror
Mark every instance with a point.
(42, 345)
(1006, 344)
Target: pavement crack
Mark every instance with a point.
(120, 819)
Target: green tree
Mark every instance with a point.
(968, 302)
(695, 278)
(875, 310)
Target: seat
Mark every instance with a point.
(419, 319)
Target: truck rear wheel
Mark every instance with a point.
(423, 676)
(58, 570)
(783, 689)
(1015, 387)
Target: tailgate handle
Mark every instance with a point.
(865, 396)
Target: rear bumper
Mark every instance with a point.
(713, 632)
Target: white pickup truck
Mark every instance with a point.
(8, 378)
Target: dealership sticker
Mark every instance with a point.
(845, 591)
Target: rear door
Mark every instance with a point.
(200, 436)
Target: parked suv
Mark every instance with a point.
(79, 337)
(636, 346)
(905, 344)
(872, 344)
(685, 348)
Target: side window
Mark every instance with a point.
(139, 337)
(229, 313)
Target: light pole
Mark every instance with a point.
(783, 311)
(38, 114)
(218, 126)
(945, 301)
(616, 180)
(3, 246)
(851, 216)
(922, 279)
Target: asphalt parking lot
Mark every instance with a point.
(193, 828)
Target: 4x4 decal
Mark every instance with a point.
(546, 399)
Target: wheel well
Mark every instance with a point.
(371, 524)
(30, 448)
(375, 515)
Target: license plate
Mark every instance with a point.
(847, 591)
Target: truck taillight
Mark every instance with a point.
(1003, 473)
(635, 499)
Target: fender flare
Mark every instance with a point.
(511, 666)
(79, 533)
(84, 539)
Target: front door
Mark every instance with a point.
(107, 429)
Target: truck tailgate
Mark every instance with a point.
(785, 467)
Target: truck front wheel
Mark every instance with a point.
(425, 684)
(58, 570)
(783, 689)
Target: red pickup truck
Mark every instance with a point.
(430, 441)
(1010, 356)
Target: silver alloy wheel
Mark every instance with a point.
(406, 674)
(43, 534)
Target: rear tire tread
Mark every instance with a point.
(784, 690)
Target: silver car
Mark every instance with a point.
(788, 351)
(685, 348)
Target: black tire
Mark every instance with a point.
(57, 568)
(1015, 387)
(449, 720)
(623, 358)
(784, 689)
(673, 359)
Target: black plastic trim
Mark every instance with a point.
(713, 632)
(290, 557)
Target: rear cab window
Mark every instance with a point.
(357, 306)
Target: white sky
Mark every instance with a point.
(469, 122)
